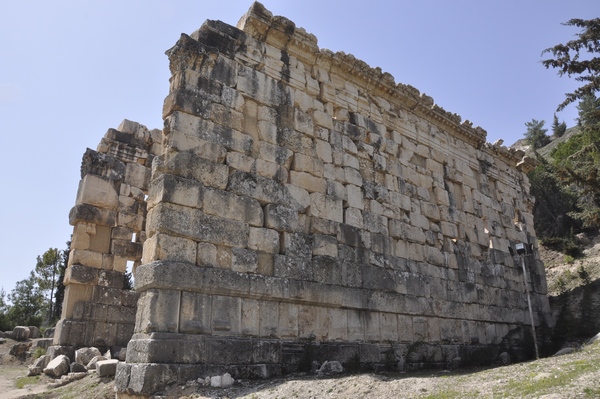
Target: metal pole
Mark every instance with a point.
(537, 354)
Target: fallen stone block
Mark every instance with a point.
(92, 363)
(57, 367)
(34, 332)
(41, 362)
(21, 333)
(78, 368)
(330, 367)
(33, 371)
(107, 368)
(84, 355)
(20, 350)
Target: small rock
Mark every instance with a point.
(504, 359)
(32, 371)
(49, 333)
(331, 367)
(84, 355)
(108, 355)
(8, 334)
(42, 361)
(92, 363)
(215, 381)
(78, 368)
(2, 340)
(564, 351)
(107, 368)
(20, 333)
(57, 367)
(593, 339)
(20, 350)
(226, 381)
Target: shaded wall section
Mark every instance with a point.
(108, 231)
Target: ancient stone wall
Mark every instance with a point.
(303, 206)
(109, 220)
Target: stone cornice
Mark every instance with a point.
(282, 33)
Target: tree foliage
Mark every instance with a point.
(31, 302)
(536, 134)
(576, 58)
(553, 203)
(47, 272)
(558, 128)
(27, 303)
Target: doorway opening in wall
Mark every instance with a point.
(128, 278)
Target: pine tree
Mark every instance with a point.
(571, 59)
(558, 129)
(536, 134)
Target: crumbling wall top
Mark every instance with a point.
(261, 25)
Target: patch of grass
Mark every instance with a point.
(21, 382)
(38, 352)
(591, 392)
(536, 384)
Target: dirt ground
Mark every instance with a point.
(576, 375)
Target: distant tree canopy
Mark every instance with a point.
(578, 58)
(558, 129)
(536, 134)
(37, 299)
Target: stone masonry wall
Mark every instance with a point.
(303, 206)
(109, 222)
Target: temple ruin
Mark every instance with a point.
(298, 206)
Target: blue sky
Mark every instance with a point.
(69, 70)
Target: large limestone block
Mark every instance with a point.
(281, 218)
(194, 224)
(263, 189)
(275, 153)
(137, 175)
(205, 130)
(308, 182)
(158, 310)
(84, 355)
(97, 191)
(166, 247)
(107, 368)
(176, 190)
(232, 206)
(326, 207)
(21, 333)
(57, 367)
(190, 166)
(264, 240)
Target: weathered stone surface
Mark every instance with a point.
(91, 365)
(84, 355)
(295, 193)
(77, 368)
(107, 368)
(21, 333)
(20, 350)
(57, 367)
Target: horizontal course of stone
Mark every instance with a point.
(302, 195)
